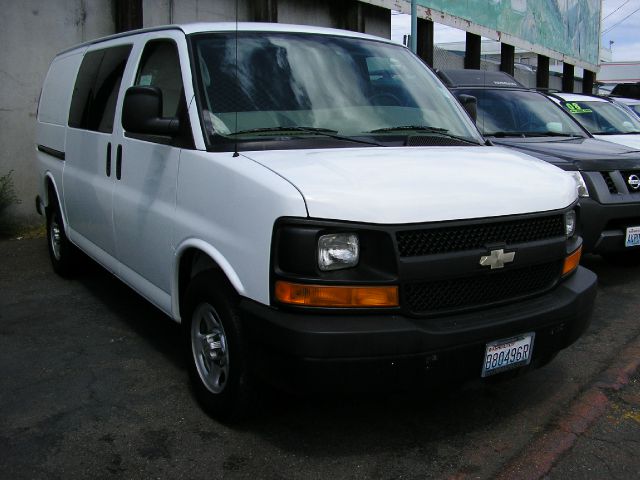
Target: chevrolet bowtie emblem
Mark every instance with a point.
(497, 259)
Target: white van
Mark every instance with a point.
(312, 205)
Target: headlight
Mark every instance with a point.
(581, 186)
(338, 250)
(570, 223)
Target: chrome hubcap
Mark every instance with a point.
(209, 348)
(55, 235)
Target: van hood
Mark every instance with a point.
(587, 154)
(413, 184)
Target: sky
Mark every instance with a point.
(617, 14)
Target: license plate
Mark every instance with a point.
(633, 237)
(508, 353)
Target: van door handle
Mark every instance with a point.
(119, 162)
(109, 159)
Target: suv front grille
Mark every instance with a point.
(436, 296)
(412, 243)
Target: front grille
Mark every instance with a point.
(436, 296)
(609, 181)
(412, 243)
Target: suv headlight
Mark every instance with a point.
(570, 223)
(337, 251)
(581, 186)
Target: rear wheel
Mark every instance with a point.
(215, 348)
(63, 254)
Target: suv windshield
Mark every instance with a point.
(520, 113)
(603, 118)
(290, 85)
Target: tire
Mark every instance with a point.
(63, 254)
(215, 348)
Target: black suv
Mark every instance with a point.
(512, 115)
(628, 90)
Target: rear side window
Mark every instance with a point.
(93, 104)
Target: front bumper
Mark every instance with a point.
(354, 352)
(604, 225)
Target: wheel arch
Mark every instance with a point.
(192, 257)
(52, 193)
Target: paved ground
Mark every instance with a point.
(92, 384)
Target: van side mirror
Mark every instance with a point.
(142, 113)
(470, 104)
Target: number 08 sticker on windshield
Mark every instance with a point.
(506, 354)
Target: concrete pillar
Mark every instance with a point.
(425, 41)
(128, 15)
(568, 72)
(542, 73)
(507, 58)
(472, 51)
(263, 10)
(360, 17)
(588, 79)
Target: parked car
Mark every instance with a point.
(511, 115)
(603, 118)
(631, 103)
(312, 205)
(628, 90)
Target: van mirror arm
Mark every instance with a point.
(142, 113)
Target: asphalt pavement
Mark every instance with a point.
(93, 385)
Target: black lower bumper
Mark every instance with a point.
(604, 225)
(338, 352)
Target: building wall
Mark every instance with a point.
(34, 31)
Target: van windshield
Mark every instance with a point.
(291, 85)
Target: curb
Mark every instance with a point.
(538, 458)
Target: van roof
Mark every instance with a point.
(478, 78)
(204, 27)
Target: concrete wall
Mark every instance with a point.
(34, 31)
(306, 12)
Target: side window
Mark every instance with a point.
(83, 90)
(93, 104)
(160, 67)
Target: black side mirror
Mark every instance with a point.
(142, 113)
(470, 104)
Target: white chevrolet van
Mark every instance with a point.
(312, 205)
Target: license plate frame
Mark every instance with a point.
(632, 237)
(507, 354)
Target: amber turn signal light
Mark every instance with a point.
(572, 261)
(336, 296)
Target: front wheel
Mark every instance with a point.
(215, 348)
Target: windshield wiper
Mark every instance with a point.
(531, 134)
(326, 132)
(616, 133)
(423, 128)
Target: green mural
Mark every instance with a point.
(570, 27)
